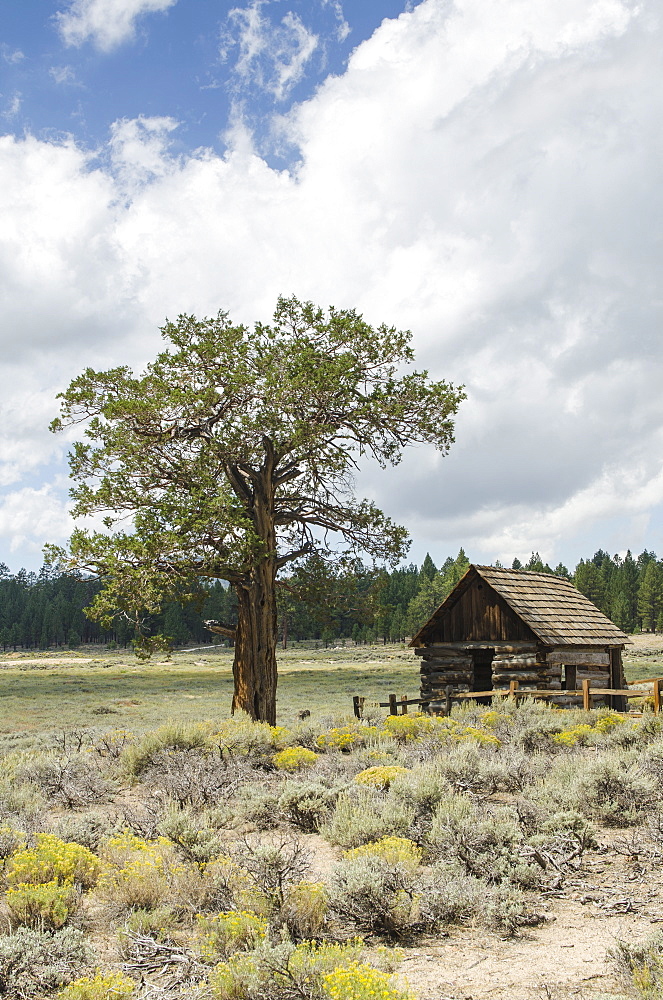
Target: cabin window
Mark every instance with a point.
(569, 677)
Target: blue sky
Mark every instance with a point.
(68, 70)
(486, 175)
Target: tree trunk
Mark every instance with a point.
(254, 667)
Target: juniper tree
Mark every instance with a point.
(232, 457)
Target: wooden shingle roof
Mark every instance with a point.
(557, 613)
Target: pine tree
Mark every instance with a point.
(650, 594)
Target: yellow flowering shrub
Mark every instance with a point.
(103, 986)
(294, 759)
(607, 721)
(53, 859)
(392, 849)
(241, 735)
(305, 908)
(249, 974)
(353, 734)
(139, 873)
(408, 727)
(228, 932)
(576, 735)
(380, 776)
(47, 906)
(281, 737)
(359, 981)
(479, 735)
(492, 718)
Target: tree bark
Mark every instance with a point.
(254, 667)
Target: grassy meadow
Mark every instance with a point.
(111, 689)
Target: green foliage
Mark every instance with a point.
(227, 454)
(34, 963)
(363, 815)
(304, 910)
(46, 906)
(640, 965)
(280, 972)
(225, 933)
(307, 804)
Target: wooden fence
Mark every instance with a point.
(443, 705)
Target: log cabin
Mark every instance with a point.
(503, 625)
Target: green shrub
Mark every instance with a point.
(156, 923)
(487, 843)
(12, 840)
(46, 906)
(190, 832)
(375, 895)
(614, 790)
(363, 815)
(87, 829)
(33, 963)
(640, 966)
(137, 757)
(307, 804)
(225, 933)
(281, 972)
(304, 910)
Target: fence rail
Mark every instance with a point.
(448, 696)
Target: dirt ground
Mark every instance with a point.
(614, 896)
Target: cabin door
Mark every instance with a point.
(483, 671)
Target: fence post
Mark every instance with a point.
(447, 697)
(393, 707)
(358, 706)
(586, 696)
(513, 687)
(403, 704)
(657, 696)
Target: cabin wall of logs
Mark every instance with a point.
(460, 665)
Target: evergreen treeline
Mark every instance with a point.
(44, 610)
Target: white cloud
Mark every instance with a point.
(106, 23)
(343, 29)
(12, 107)
(488, 176)
(63, 74)
(271, 56)
(28, 516)
(10, 55)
